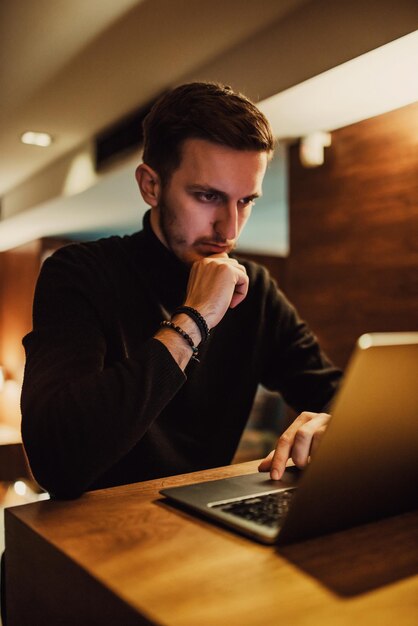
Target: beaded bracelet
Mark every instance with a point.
(197, 318)
(185, 336)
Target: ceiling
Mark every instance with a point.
(73, 68)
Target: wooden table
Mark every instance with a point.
(121, 556)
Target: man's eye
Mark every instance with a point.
(207, 196)
(247, 201)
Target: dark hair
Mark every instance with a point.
(209, 111)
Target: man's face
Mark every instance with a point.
(208, 199)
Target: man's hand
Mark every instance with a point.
(216, 283)
(298, 442)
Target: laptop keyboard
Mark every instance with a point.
(267, 509)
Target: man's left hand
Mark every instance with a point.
(298, 442)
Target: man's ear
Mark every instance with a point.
(149, 184)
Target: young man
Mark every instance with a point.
(147, 350)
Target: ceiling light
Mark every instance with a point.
(36, 139)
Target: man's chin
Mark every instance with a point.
(194, 257)
(189, 257)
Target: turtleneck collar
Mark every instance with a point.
(164, 273)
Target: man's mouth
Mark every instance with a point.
(215, 247)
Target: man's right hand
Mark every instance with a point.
(216, 283)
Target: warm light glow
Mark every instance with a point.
(33, 138)
(10, 403)
(365, 341)
(312, 148)
(2, 378)
(387, 339)
(20, 488)
(81, 173)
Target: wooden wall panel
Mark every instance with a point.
(353, 264)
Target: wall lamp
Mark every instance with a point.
(312, 148)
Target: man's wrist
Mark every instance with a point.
(197, 317)
(171, 326)
(179, 348)
(189, 326)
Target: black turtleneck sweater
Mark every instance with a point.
(104, 403)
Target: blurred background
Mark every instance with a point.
(338, 223)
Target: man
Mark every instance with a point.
(146, 351)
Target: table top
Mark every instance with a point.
(175, 569)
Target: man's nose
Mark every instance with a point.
(227, 221)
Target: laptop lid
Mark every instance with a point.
(366, 466)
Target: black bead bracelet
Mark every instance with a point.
(180, 331)
(197, 318)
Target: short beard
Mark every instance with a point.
(167, 220)
(167, 223)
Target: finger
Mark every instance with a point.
(240, 291)
(304, 437)
(281, 455)
(265, 463)
(285, 444)
(316, 440)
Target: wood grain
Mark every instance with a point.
(125, 549)
(353, 266)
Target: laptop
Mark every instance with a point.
(365, 468)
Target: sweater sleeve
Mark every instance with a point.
(80, 413)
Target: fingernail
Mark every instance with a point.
(274, 474)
